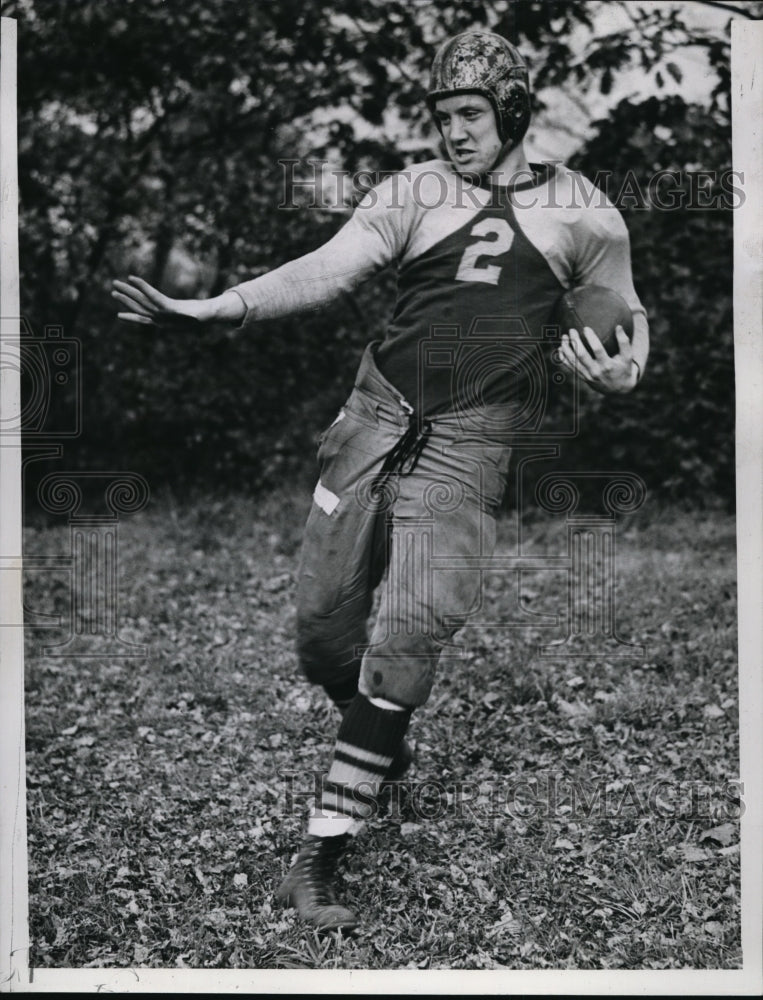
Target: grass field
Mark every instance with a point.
(574, 812)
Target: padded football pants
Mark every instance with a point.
(412, 530)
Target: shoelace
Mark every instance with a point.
(318, 870)
(313, 875)
(405, 455)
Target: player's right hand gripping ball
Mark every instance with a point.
(596, 306)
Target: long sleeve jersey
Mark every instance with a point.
(479, 270)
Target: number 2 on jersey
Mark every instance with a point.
(489, 273)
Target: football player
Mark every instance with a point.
(413, 468)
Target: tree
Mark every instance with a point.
(150, 140)
(682, 248)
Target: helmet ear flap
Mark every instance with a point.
(514, 115)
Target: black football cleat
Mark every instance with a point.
(309, 888)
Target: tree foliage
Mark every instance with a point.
(150, 138)
(678, 429)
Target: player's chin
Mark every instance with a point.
(470, 170)
(467, 165)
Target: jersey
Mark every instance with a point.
(479, 270)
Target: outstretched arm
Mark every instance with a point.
(372, 238)
(142, 303)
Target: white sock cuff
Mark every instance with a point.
(389, 705)
(333, 825)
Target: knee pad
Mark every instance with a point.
(404, 676)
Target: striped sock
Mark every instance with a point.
(368, 738)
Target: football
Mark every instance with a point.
(598, 307)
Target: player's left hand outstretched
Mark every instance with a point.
(142, 303)
(603, 373)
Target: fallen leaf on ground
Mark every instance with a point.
(723, 834)
(562, 844)
(693, 853)
(714, 711)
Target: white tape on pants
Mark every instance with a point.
(326, 500)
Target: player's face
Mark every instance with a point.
(469, 129)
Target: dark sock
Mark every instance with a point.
(367, 741)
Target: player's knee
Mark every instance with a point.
(405, 681)
(325, 651)
(329, 635)
(315, 657)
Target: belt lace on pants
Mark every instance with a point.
(404, 456)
